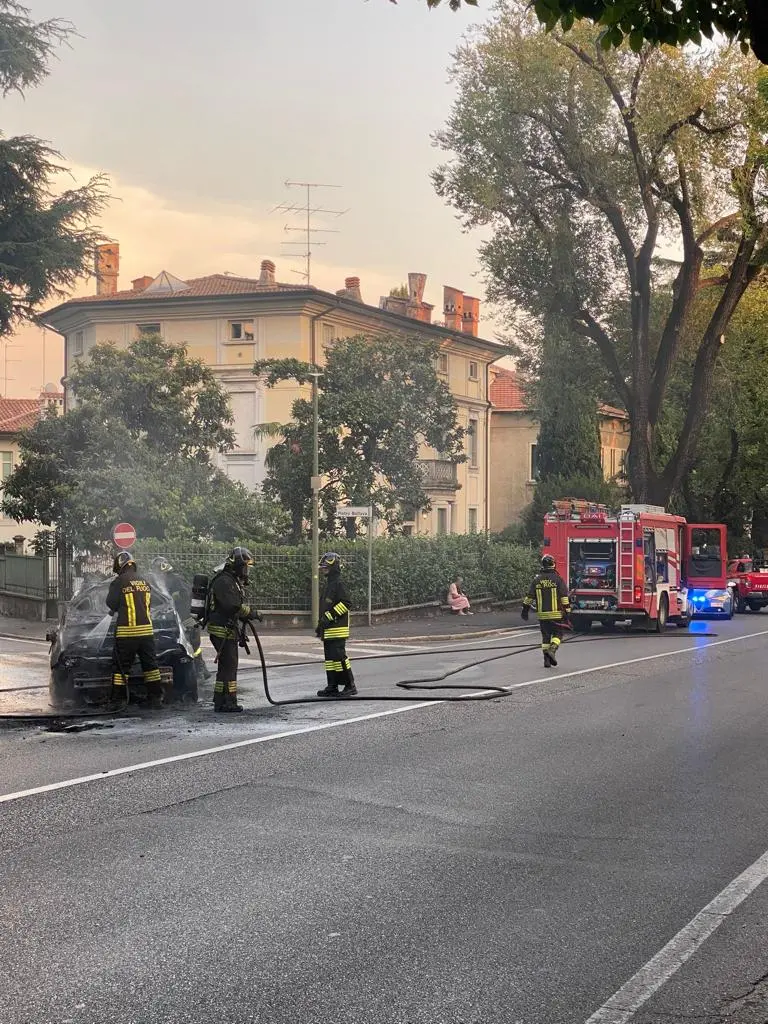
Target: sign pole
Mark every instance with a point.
(370, 563)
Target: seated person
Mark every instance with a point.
(457, 599)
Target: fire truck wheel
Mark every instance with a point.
(663, 614)
(581, 625)
(741, 605)
(755, 606)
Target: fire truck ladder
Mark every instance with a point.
(626, 559)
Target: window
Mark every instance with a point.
(472, 443)
(442, 364)
(472, 520)
(533, 463)
(6, 464)
(473, 374)
(442, 521)
(147, 330)
(241, 330)
(329, 334)
(77, 345)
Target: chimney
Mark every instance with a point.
(471, 315)
(107, 268)
(352, 289)
(416, 285)
(141, 283)
(267, 276)
(453, 307)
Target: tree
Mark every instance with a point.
(136, 447)
(587, 165)
(639, 21)
(380, 397)
(46, 238)
(565, 397)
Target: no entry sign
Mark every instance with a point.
(124, 535)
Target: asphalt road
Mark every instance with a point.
(515, 861)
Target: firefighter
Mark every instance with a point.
(549, 594)
(227, 608)
(333, 629)
(129, 596)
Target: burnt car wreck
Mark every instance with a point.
(83, 642)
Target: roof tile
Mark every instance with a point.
(18, 414)
(202, 287)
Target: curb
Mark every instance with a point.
(445, 636)
(19, 636)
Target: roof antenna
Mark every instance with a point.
(307, 212)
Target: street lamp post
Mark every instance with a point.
(315, 500)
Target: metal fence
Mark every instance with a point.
(24, 575)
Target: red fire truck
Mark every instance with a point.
(640, 563)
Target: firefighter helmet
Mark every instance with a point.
(547, 562)
(329, 563)
(239, 560)
(160, 564)
(123, 560)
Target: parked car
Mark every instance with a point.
(83, 641)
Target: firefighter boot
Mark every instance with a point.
(119, 695)
(332, 686)
(218, 695)
(552, 658)
(230, 701)
(547, 659)
(350, 690)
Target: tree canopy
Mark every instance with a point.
(136, 447)
(379, 399)
(46, 235)
(589, 166)
(640, 21)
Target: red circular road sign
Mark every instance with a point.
(124, 535)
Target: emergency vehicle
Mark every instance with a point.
(748, 583)
(640, 563)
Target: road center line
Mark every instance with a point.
(239, 744)
(623, 1005)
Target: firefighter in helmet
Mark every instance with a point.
(227, 608)
(129, 596)
(549, 594)
(333, 629)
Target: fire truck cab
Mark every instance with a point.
(640, 563)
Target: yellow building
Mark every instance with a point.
(229, 322)
(17, 414)
(514, 435)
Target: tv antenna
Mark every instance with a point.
(6, 346)
(307, 211)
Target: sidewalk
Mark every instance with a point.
(440, 627)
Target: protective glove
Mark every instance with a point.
(319, 631)
(255, 615)
(525, 612)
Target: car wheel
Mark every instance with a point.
(663, 614)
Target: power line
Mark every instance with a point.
(307, 211)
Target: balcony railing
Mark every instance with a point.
(439, 474)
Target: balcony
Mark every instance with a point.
(439, 475)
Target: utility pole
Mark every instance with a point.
(315, 499)
(307, 211)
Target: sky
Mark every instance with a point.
(199, 113)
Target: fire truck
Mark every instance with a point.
(640, 563)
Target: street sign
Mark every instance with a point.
(124, 535)
(353, 511)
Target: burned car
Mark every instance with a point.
(83, 642)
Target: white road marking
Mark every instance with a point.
(306, 655)
(113, 772)
(623, 1005)
(379, 649)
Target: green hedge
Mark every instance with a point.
(406, 570)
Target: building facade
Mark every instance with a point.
(230, 322)
(16, 415)
(514, 436)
